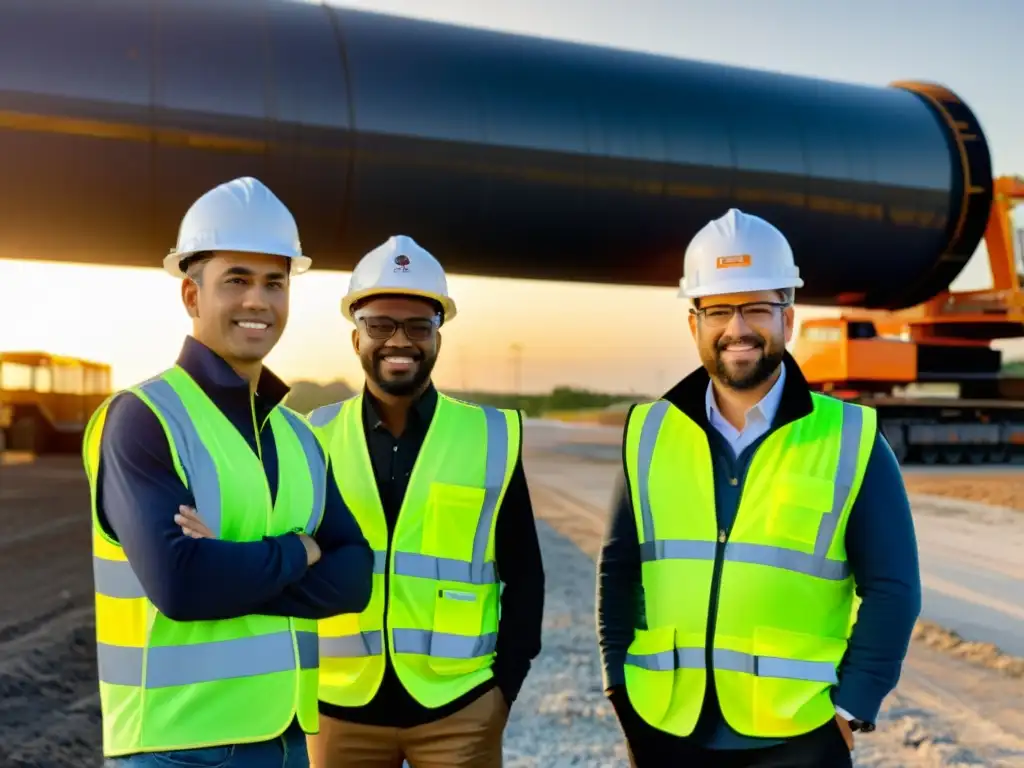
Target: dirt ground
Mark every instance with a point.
(1000, 489)
(49, 708)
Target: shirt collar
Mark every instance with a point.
(221, 382)
(766, 407)
(421, 412)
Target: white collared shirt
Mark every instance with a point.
(757, 421)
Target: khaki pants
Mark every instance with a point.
(469, 738)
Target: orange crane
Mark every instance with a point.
(888, 359)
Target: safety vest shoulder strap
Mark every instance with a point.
(324, 420)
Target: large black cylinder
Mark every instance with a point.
(502, 154)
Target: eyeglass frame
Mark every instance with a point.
(435, 322)
(701, 312)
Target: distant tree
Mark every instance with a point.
(1013, 368)
(306, 395)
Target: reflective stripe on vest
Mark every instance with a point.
(442, 609)
(194, 672)
(783, 500)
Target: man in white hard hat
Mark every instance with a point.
(219, 537)
(428, 671)
(752, 517)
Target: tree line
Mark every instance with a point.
(306, 395)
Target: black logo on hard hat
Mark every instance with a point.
(403, 263)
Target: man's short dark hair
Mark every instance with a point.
(194, 264)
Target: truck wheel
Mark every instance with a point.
(899, 450)
(953, 455)
(977, 455)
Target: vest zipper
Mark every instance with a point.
(716, 581)
(716, 577)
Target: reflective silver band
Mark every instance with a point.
(734, 661)
(172, 665)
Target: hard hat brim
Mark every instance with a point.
(351, 299)
(299, 264)
(739, 285)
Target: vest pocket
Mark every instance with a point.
(456, 645)
(650, 672)
(794, 674)
(453, 512)
(797, 505)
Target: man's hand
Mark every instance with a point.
(846, 730)
(191, 524)
(312, 548)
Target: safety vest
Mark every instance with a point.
(166, 684)
(784, 588)
(439, 573)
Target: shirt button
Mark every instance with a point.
(395, 449)
(733, 481)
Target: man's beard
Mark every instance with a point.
(752, 376)
(405, 386)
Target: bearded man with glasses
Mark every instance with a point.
(759, 580)
(428, 672)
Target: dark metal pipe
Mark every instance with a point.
(504, 155)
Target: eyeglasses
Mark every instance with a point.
(754, 313)
(383, 328)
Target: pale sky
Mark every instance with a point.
(612, 339)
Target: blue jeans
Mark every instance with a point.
(286, 751)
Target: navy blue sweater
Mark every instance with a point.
(881, 548)
(189, 579)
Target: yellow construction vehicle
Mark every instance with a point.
(46, 400)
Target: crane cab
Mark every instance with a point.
(849, 353)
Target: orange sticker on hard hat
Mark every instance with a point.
(740, 260)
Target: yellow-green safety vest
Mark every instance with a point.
(785, 591)
(166, 684)
(439, 573)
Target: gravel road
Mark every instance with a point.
(561, 717)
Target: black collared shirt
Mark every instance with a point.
(517, 556)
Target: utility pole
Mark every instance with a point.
(517, 368)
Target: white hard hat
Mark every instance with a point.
(738, 253)
(399, 267)
(239, 215)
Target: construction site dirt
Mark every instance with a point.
(960, 700)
